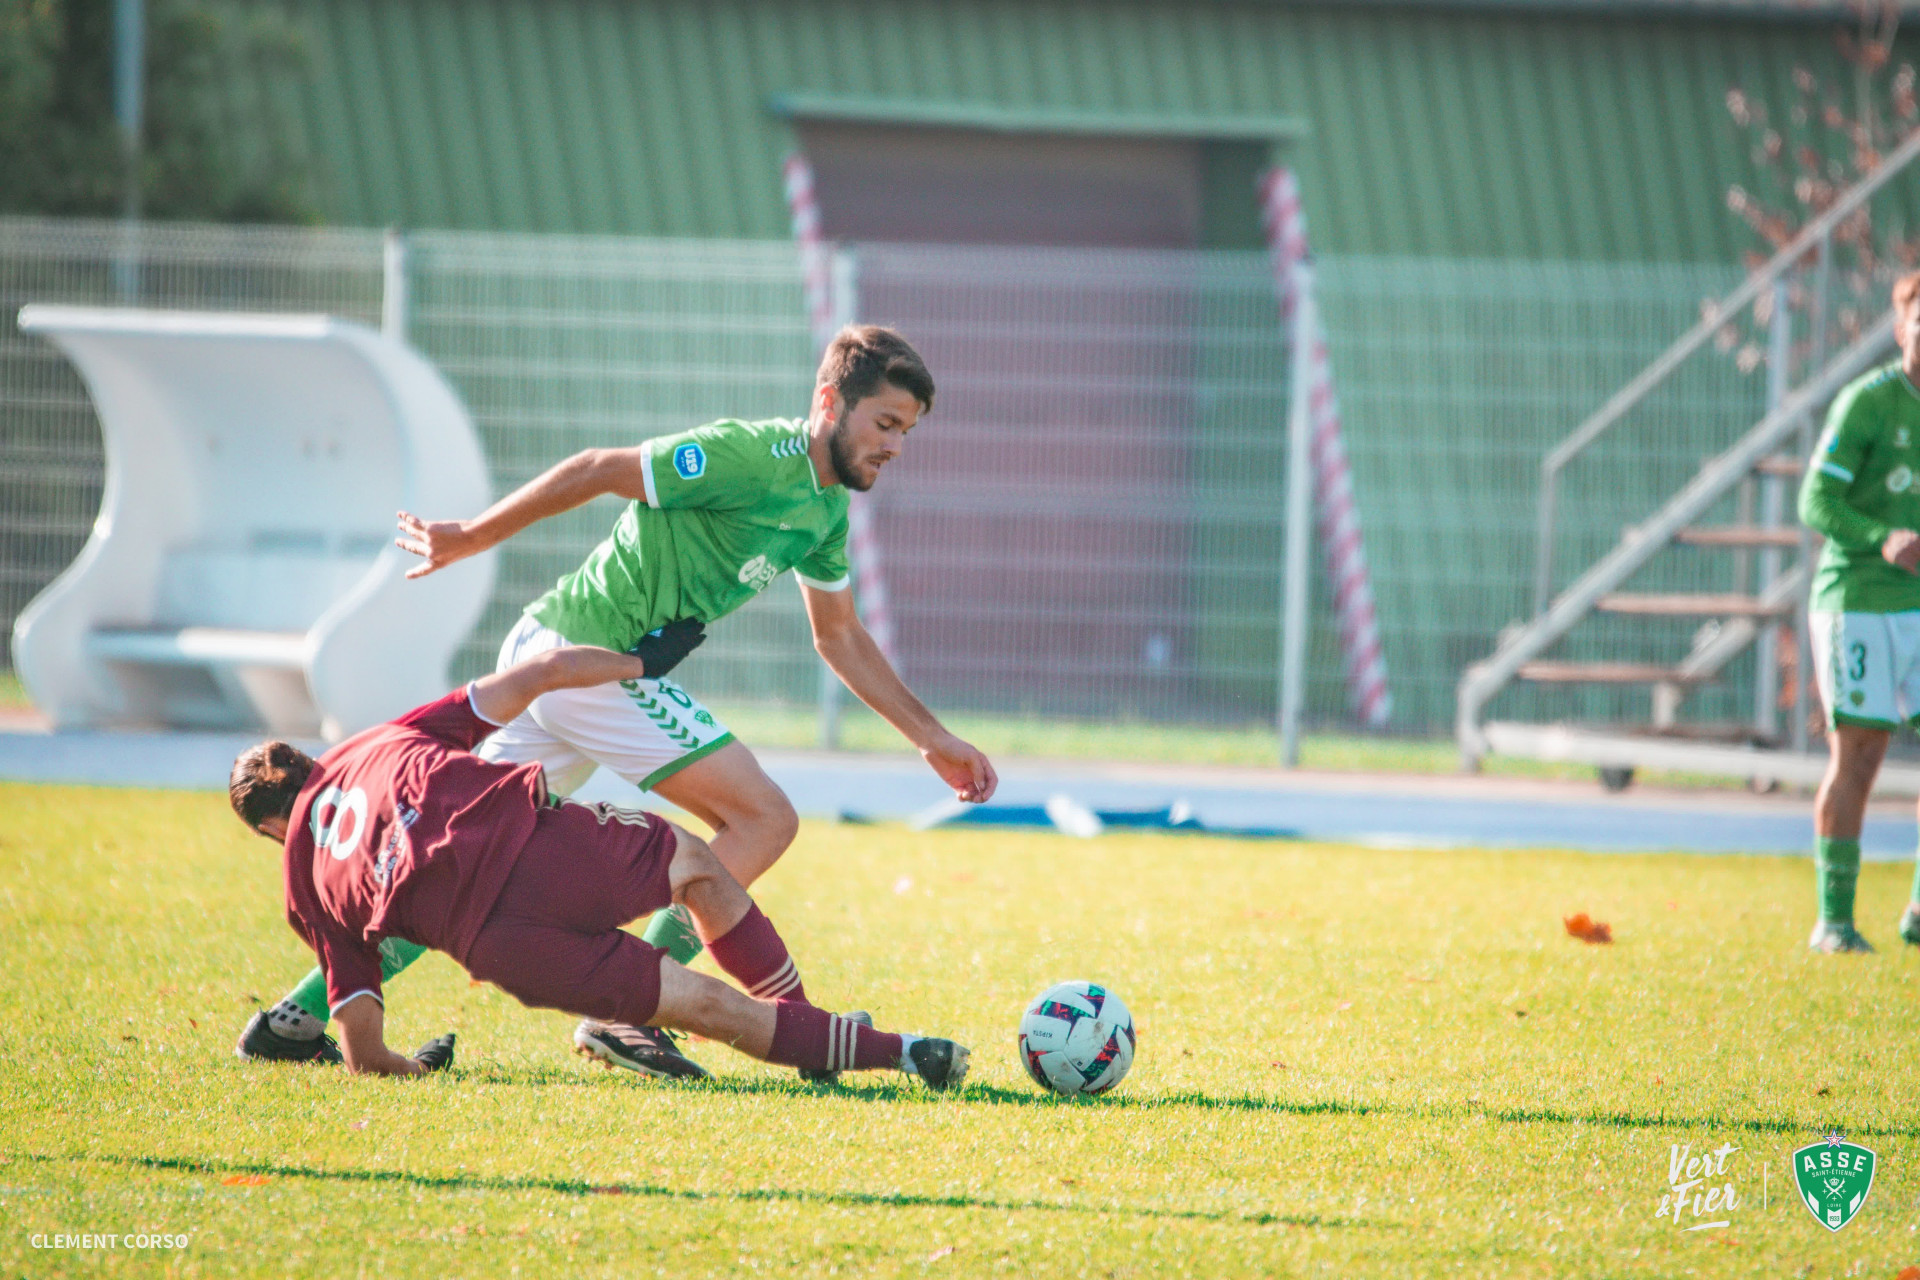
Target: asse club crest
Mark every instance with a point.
(1834, 1176)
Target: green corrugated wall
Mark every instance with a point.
(1469, 132)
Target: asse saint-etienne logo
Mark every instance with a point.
(1834, 1177)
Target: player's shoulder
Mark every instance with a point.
(749, 430)
(746, 440)
(1886, 385)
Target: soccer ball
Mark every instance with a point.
(1077, 1038)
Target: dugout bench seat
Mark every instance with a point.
(241, 573)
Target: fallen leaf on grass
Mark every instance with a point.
(940, 1253)
(608, 1191)
(194, 1023)
(358, 1124)
(1343, 1006)
(1587, 929)
(244, 1180)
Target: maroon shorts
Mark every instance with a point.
(553, 939)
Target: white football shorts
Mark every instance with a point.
(643, 730)
(1867, 666)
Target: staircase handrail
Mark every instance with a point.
(1484, 679)
(1815, 235)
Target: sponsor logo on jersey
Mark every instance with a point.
(405, 815)
(757, 573)
(690, 460)
(1834, 1176)
(1900, 479)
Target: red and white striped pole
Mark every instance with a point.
(830, 305)
(1339, 517)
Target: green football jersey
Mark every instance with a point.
(730, 507)
(1859, 488)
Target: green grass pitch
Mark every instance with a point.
(1350, 1062)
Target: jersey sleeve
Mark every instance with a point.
(825, 567)
(352, 967)
(452, 720)
(720, 466)
(1837, 459)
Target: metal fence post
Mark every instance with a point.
(393, 285)
(129, 109)
(845, 285)
(1817, 357)
(1766, 666)
(1293, 642)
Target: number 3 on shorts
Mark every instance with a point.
(1868, 665)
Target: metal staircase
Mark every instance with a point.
(1765, 461)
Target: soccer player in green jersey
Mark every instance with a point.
(1860, 493)
(716, 514)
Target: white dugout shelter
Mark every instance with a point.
(242, 572)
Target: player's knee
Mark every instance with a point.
(693, 862)
(773, 821)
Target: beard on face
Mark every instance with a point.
(840, 453)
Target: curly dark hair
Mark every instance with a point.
(265, 780)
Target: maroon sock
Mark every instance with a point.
(753, 954)
(806, 1036)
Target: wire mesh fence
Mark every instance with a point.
(1088, 525)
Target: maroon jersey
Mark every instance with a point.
(400, 816)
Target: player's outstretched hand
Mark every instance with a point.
(439, 542)
(661, 651)
(964, 767)
(437, 1054)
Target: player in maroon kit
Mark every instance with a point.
(402, 832)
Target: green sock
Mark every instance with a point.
(1836, 865)
(311, 993)
(671, 929)
(395, 955)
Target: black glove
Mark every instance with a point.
(662, 650)
(436, 1055)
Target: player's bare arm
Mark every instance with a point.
(844, 643)
(567, 484)
(363, 1042)
(503, 695)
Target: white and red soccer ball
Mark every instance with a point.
(1077, 1038)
